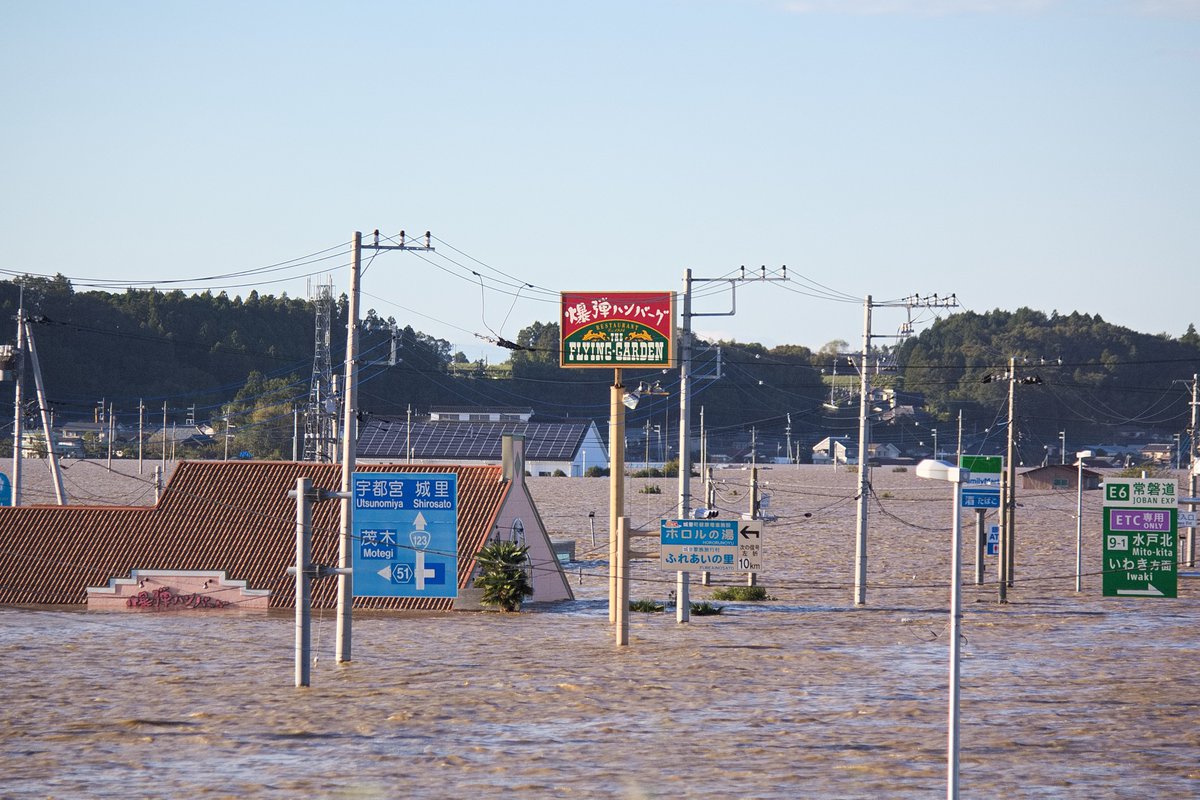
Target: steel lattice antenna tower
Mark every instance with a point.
(320, 414)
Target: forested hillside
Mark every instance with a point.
(1095, 378)
(210, 356)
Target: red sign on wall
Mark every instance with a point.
(617, 329)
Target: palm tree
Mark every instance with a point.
(502, 575)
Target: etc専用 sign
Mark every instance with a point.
(616, 329)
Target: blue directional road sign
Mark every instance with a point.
(405, 534)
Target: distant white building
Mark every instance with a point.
(835, 450)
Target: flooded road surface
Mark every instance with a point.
(1063, 695)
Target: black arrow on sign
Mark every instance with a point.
(748, 532)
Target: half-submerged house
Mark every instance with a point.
(223, 534)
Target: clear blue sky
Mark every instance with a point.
(1036, 153)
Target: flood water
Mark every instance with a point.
(1064, 695)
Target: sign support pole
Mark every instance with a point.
(952, 765)
(980, 544)
(616, 485)
(622, 576)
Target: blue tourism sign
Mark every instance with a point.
(698, 544)
(405, 534)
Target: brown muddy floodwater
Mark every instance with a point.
(1064, 695)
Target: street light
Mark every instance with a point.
(935, 447)
(1079, 457)
(933, 469)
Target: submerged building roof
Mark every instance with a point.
(232, 516)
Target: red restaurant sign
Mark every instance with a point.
(617, 329)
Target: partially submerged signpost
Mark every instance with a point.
(981, 492)
(616, 330)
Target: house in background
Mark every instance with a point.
(1158, 454)
(459, 436)
(1059, 476)
(835, 450)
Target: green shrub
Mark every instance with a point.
(645, 606)
(558, 473)
(502, 575)
(706, 609)
(596, 472)
(650, 488)
(649, 472)
(741, 593)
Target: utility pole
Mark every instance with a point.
(682, 604)
(47, 426)
(864, 430)
(18, 401)
(164, 438)
(958, 452)
(788, 433)
(345, 595)
(1062, 447)
(683, 601)
(1008, 533)
(1190, 549)
(1008, 486)
(864, 439)
(141, 427)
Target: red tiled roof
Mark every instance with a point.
(234, 516)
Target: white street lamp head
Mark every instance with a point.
(938, 470)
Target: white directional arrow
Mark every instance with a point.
(385, 573)
(419, 521)
(1149, 591)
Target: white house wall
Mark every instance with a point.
(549, 581)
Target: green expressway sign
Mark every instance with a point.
(1140, 538)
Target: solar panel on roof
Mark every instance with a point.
(544, 441)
